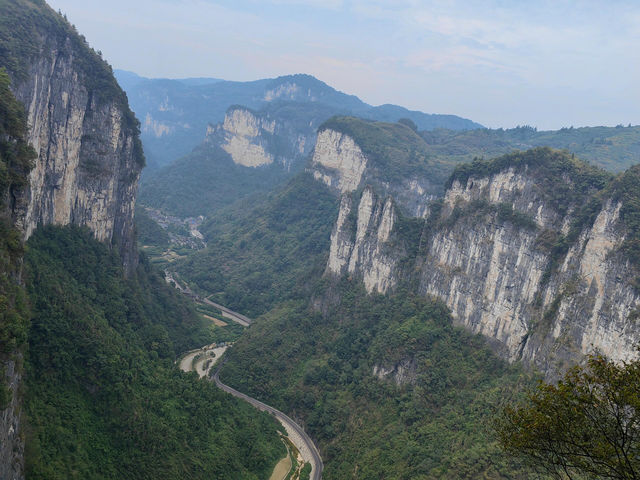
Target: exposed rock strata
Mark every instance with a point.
(401, 373)
(88, 163)
(495, 272)
(363, 248)
(255, 139)
(498, 281)
(340, 163)
(87, 167)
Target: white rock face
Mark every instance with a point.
(286, 91)
(596, 313)
(86, 172)
(156, 128)
(487, 276)
(508, 186)
(364, 252)
(338, 161)
(402, 373)
(497, 278)
(341, 242)
(242, 133)
(490, 275)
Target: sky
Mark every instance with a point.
(502, 63)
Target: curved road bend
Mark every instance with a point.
(230, 314)
(311, 454)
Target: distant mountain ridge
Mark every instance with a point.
(175, 113)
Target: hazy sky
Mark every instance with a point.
(499, 62)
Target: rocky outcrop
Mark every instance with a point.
(499, 280)
(11, 435)
(543, 282)
(89, 156)
(87, 163)
(360, 242)
(256, 139)
(401, 373)
(244, 137)
(339, 162)
(155, 127)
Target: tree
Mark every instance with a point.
(408, 123)
(586, 426)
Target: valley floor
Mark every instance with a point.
(203, 360)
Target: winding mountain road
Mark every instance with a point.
(230, 314)
(296, 434)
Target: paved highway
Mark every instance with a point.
(230, 314)
(296, 434)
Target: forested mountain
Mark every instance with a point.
(88, 335)
(406, 274)
(104, 398)
(175, 113)
(612, 148)
(16, 157)
(378, 381)
(253, 151)
(533, 250)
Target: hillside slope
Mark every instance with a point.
(175, 113)
(89, 388)
(613, 148)
(104, 398)
(535, 250)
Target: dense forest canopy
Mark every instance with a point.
(103, 396)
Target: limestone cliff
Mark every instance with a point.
(255, 139)
(531, 251)
(86, 162)
(338, 161)
(361, 242)
(86, 138)
(347, 161)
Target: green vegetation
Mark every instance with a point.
(16, 155)
(568, 184)
(625, 189)
(15, 162)
(30, 29)
(305, 473)
(205, 181)
(587, 426)
(148, 231)
(611, 148)
(479, 211)
(563, 180)
(103, 396)
(261, 252)
(436, 423)
(396, 151)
